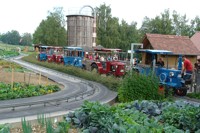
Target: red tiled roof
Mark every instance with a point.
(176, 44)
(196, 39)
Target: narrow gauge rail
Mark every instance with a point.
(188, 100)
(85, 92)
(68, 99)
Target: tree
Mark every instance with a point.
(128, 34)
(12, 37)
(160, 24)
(110, 33)
(103, 16)
(180, 25)
(52, 30)
(195, 25)
(26, 39)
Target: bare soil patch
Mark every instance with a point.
(26, 77)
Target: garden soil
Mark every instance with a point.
(29, 78)
(25, 77)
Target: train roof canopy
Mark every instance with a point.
(152, 51)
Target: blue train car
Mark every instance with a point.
(73, 56)
(42, 56)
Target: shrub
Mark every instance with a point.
(139, 86)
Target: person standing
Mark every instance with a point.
(187, 68)
(197, 65)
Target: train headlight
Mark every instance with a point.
(122, 70)
(171, 74)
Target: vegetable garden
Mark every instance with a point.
(6, 54)
(137, 116)
(20, 90)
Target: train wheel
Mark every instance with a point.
(181, 92)
(38, 57)
(109, 74)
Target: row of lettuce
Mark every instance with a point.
(23, 90)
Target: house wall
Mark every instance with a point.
(171, 59)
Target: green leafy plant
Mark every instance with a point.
(136, 116)
(49, 126)
(21, 90)
(62, 127)
(26, 126)
(182, 115)
(10, 53)
(5, 128)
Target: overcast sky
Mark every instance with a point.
(26, 15)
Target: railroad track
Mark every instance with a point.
(75, 92)
(188, 100)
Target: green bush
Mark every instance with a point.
(139, 87)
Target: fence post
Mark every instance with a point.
(47, 81)
(29, 78)
(24, 77)
(39, 78)
(12, 79)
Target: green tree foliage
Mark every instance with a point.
(160, 24)
(12, 37)
(128, 34)
(167, 23)
(26, 39)
(195, 25)
(180, 24)
(52, 30)
(103, 16)
(112, 34)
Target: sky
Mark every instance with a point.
(26, 15)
